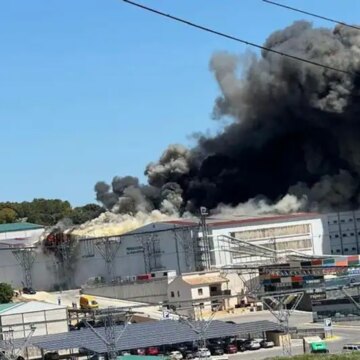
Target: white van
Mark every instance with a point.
(351, 347)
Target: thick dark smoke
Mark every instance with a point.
(295, 129)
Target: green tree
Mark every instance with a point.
(81, 214)
(6, 293)
(7, 215)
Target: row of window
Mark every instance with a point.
(172, 294)
(338, 251)
(343, 235)
(335, 221)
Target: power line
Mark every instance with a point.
(230, 37)
(311, 14)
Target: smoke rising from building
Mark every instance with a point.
(293, 140)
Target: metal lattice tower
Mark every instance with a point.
(204, 242)
(282, 306)
(25, 257)
(64, 259)
(152, 252)
(185, 238)
(108, 248)
(8, 345)
(203, 323)
(110, 337)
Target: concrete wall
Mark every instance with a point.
(153, 291)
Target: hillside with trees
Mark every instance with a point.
(47, 212)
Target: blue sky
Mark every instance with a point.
(90, 89)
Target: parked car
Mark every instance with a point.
(351, 347)
(252, 345)
(231, 349)
(266, 344)
(176, 355)
(216, 349)
(240, 343)
(153, 350)
(82, 324)
(188, 355)
(203, 353)
(124, 353)
(29, 291)
(138, 351)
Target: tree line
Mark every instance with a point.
(47, 212)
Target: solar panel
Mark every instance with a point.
(147, 334)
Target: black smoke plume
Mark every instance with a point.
(294, 129)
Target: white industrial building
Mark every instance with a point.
(45, 318)
(20, 234)
(180, 244)
(168, 245)
(27, 319)
(342, 231)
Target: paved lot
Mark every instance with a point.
(298, 318)
(343, 333)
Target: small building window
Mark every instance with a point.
(342, 220)
(346, 249)
(352, 234)
(353, 249)
(172, 294)
(344, 235)
(336, 235)
(332, 251)
(178, 293)
(350, 219)
(200, 291)
(337, 250)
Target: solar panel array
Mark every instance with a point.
(147, 334)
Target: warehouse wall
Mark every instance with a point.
(152, 291)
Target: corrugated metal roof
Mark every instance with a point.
(28, 307)
(19, 227)
(146, 334)
(4, 307)
(223, 221)
(204, 279)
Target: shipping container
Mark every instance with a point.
(143, 277)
